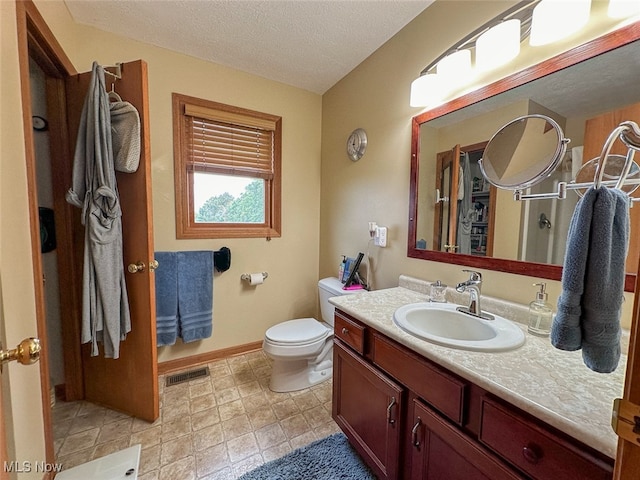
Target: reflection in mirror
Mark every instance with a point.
(524, 152)
(612, 171)
(519, 237)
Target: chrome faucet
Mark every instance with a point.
(473, 285)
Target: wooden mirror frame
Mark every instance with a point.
(603, 44)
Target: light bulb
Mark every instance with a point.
(623, 8)
(498, 45)
(426, 90)
(554, 20)
(455, 69)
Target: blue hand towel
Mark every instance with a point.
(166, 298)
(593, 279)
(195, 294)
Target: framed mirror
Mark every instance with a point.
(456, 216)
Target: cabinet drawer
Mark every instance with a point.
(443, 391)
(349, 332)
(539, 453)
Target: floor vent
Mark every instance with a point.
(186, 376)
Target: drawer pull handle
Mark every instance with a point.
(414, 433)
(345, 331)
(532, 453)
(389, 419)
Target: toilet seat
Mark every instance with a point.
(301, 331)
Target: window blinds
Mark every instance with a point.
(229, 143)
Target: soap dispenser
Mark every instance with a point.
(540, 313)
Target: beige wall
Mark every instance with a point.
(375, 96)
(241, 313)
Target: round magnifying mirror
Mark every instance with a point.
(523, 152)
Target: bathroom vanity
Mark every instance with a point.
(416, 410)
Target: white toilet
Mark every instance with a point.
(302, 349)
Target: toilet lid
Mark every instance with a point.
(301, 330)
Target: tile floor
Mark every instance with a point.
(216, 427)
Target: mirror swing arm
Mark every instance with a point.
(627, 132)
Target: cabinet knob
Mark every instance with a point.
(389, 419)
(532, 453)
(345, 331)
(414, 433)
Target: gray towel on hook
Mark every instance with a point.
(593, 279)
(125, 134)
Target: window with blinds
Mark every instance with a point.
(227, 170)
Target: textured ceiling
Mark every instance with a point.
(310, 44)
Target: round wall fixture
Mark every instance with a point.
(357, 144)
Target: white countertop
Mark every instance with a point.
(553, 385)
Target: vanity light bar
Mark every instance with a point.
(496, 42)
(522, 11)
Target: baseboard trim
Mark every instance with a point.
(187, 362)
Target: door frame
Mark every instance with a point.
(36, 40)
(447, 159)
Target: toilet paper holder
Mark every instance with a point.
(247, 276)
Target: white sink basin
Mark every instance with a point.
(441, 323)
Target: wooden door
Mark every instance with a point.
(627, 466)
(446, 211)
(130, 383)
(596, 131)
(4, 456)
(368, 407)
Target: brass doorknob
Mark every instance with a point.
(26, 353)
(153, 264)
(136, 267)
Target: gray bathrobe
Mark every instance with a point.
(105, 307)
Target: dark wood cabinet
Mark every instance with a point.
(440, 451)
(537, 451)
(368, 407)
(410, 418)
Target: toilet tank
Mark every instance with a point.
(330, 287)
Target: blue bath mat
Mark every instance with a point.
(328, 459)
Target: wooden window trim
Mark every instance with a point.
(186, 227)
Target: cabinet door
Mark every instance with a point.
(367, 406)
(440, 451)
